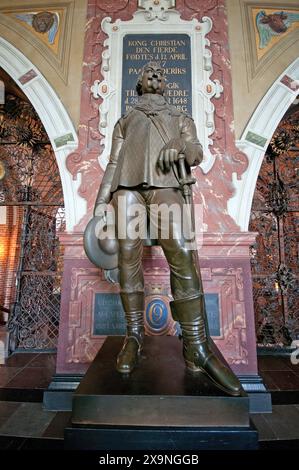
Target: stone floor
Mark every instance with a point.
(24, 424)
(28, 425)
(278, 372)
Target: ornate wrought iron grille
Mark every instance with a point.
(275, 215)
(31, 180)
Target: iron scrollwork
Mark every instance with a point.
(275, 215)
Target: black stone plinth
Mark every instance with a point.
(127, 438)
(160, 392)
(159, 406)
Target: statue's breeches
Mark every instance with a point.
(155, 204)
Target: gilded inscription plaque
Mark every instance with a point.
(173, 51)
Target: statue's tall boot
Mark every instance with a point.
(128, 357)
(197, 350)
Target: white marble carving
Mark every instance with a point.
(158, 16)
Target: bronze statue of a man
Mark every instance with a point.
(146, 146)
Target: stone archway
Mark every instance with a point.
(62, 138)
(274, 284)
(256, 138)
(31, 220)
(55, 120)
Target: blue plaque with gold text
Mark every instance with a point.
(109, 317)
(173, 52)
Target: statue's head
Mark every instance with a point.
(151, 79)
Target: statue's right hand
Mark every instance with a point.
(100, 210)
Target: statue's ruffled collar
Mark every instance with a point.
(151, 103)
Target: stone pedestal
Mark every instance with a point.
(160, 400)
(226, 275)
(225, 270)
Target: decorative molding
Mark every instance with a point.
(57, 58)
(263, 123)
(82, 344)
(156, 9)
(55, 120)
(156, 5)
(158, 16)
(228, 283)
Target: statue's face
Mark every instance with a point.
(153, 80)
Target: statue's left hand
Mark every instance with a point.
(170, 154)
(167, 158)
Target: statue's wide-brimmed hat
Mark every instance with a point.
(101, 251)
